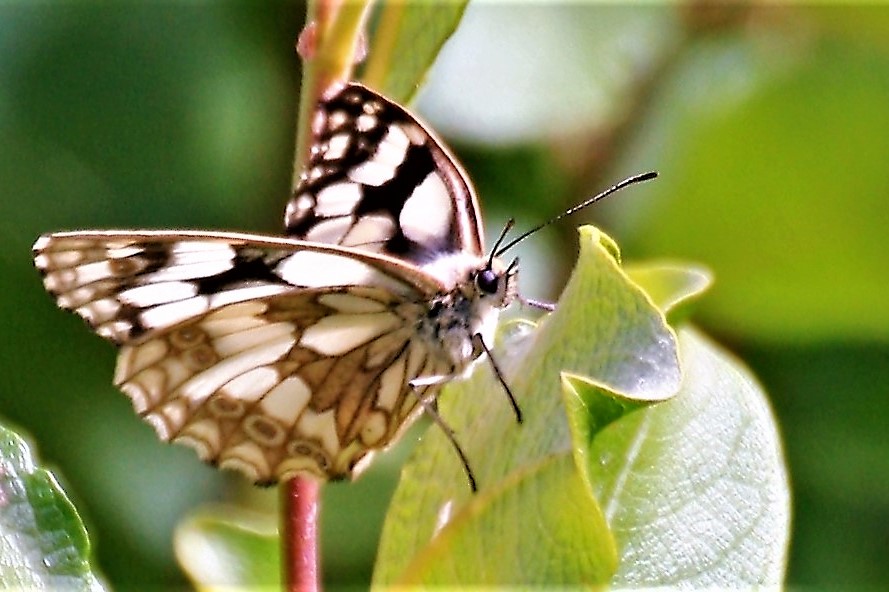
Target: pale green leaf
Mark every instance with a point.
(43, 543)
(405, 43)
(226, 548)
(673, 287)
(605, 327)
(545, 512)
(695, 488)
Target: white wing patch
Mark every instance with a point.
(372, 172)
(370, 232)
(427, 213)
(338, 199)
(287, 399)
(158, 293)
(338, 334)
(249, 387)
(312, 269)
(332, 231)
(378, 180)
(126, 286)
(350, 303)
(393, 148)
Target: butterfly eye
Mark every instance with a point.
(488, 281)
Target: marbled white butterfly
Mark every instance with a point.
(301, 355)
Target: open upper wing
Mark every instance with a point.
(129, 284)
(380, 181)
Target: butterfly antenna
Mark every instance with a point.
(506, 228)
(629, 181)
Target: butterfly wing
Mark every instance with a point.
(379, 180)
(268, 355)
(127, 284)
(308, 382)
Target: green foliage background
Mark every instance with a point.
(769, 126)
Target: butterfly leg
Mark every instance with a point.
(428, 404)
(481, 346)
(539, 304)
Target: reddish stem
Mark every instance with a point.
(299, 534)
(299, 496)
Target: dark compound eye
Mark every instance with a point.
(487, 281)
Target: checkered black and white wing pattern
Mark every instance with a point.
(379, 180)
(267, 355)
(127, 284)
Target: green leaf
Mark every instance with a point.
(605, 327)
(225, 548)
(405, 43)
(566, 532)
(673, 287)
(43, 543)
(591, 408)
(695, 488)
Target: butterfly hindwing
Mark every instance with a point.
(379, 180)
(304, 382)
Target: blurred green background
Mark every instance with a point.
(769, 126)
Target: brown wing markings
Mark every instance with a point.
(225, 429)
(400, 411)
(303, 311)
(314, 370)
(347, 387)
(342, 370)
(188, 350)
(420, 364)
(219, 422)
(253, 431)
(373, 426)
(194, 346)
(364, 418)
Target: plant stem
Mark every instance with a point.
(338, 27)
(330, 41)
(299, 536)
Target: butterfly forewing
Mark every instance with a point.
(379, 180)
(127, 284)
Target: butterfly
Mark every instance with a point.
(302, 354)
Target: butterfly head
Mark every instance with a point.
(496, 283)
